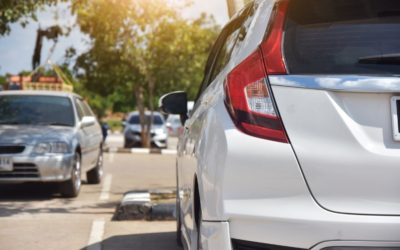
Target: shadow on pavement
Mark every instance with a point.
(151, 241)
(28, 192)
(32, 198)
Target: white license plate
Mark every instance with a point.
(6, 164)
(396, 117)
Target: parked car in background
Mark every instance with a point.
(133, 130)
(294, 140)
(49, 137)
(174, 125)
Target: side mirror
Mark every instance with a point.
(88, 121)
(175, 103)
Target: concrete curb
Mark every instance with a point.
(147, 205)
(140, 151)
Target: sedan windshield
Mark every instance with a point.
(36, 110)
(157, 120)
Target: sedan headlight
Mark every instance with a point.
(51, 148)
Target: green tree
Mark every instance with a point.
(13, 11)
(3, 80)
(142, 49)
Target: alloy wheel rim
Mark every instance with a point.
(77, 173)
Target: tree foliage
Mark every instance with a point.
(142, 49)
(12, 11)
(137, 44)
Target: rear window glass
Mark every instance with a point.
(343, 37)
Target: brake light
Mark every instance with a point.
(248, 94)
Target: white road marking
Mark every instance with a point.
(112, 151)
(105, 191)
(96, 235)
(169, 152)
(140, 151)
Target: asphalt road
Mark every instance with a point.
(35, 217)
(117, 141)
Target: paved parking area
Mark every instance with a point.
(35, 217)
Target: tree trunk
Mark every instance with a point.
(151, 84)
(143, 121)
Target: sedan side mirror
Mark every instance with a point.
(174, 103)
(88, 121)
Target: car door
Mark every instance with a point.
(95, 135)
(189, 160)
(90, 136)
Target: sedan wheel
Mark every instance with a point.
(71, 188)
(94, 176)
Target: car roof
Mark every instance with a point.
(38, 93)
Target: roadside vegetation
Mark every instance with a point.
(138, 51)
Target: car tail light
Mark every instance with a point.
(249, 99)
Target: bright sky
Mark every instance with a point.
(17, 48)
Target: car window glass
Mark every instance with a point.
(224, 54)
(228, 44)
(236, 33)
(244, 29)
(79, 108)
(86, 109)
(36, 110)
(343, 37)
(209, 64)
(135, 119)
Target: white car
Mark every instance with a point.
(294, 140)
(133, 130)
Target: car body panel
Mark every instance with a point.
(202, 148)
(344, 143)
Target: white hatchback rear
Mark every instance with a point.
(294, 140)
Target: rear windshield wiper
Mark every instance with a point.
(381, 59)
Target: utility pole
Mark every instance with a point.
(235, 5)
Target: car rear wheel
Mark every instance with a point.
(178, 224)
(71, 188)
(94, 176)
(199, 225)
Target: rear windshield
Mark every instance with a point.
(343, 37)
(36, 110)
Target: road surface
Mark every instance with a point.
(34, 217)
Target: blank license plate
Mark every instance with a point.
(396, 117)
(6, 164)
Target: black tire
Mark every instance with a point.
(178, 224)
(94, 176)
(72, 187)
(199, 243)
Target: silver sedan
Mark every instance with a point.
(49, 137)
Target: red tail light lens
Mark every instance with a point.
(248, 96)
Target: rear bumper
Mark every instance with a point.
(299, 222)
